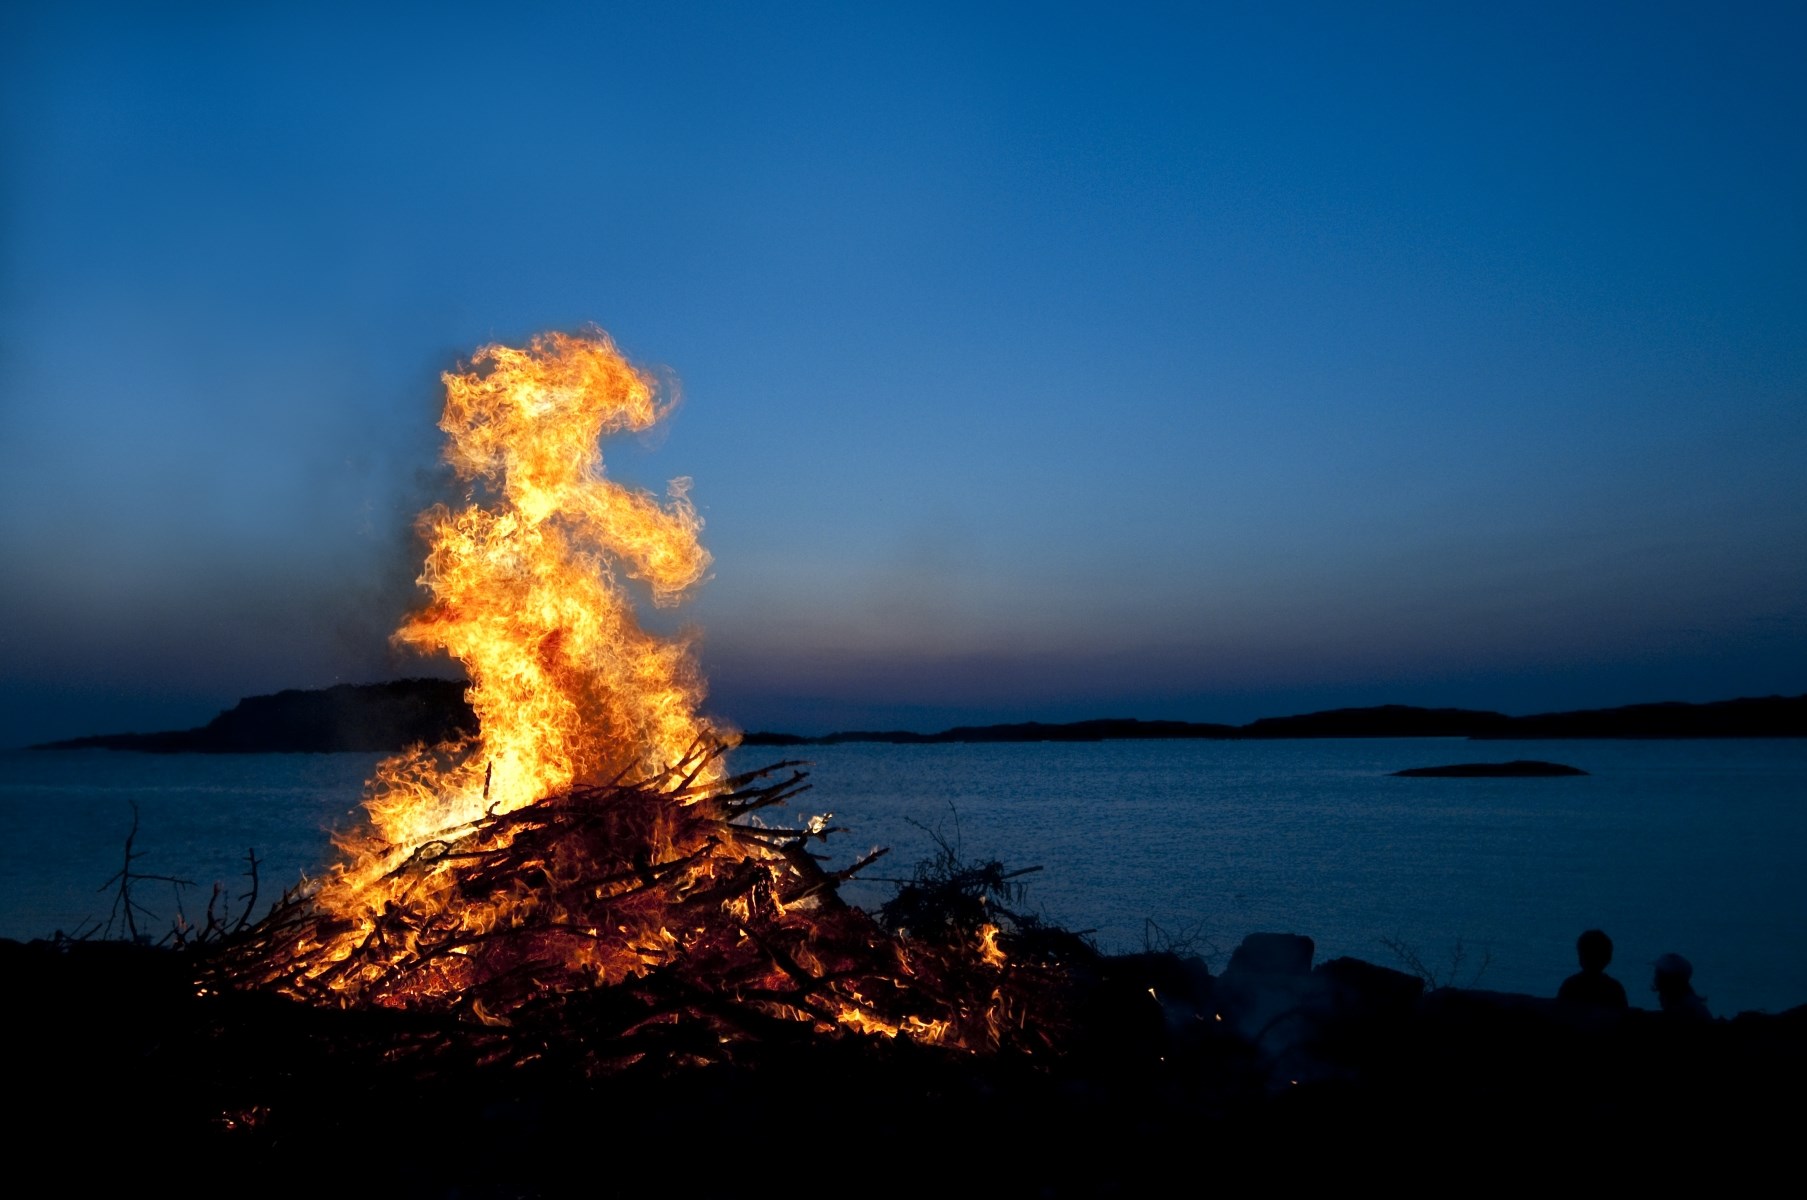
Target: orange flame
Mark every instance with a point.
(524, 586)
(990, 953)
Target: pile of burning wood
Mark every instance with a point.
(583, 872)
(555, 928)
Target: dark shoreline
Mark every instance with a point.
(391, 716)
(1268, 1072)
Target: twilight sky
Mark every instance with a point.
(1208, 361)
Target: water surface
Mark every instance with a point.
(1687, 846)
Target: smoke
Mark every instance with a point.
(374, 604)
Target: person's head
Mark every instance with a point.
(1673, 973)
(1594, 949)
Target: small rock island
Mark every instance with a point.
(1519, 768)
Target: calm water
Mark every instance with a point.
(1695, 847)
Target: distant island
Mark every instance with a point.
(380, 717)
(1518, 768)
(1766, 716)
(369, 717)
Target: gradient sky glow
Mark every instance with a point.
(1037, 361)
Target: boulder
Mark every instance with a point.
(1273, 954)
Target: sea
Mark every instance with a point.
(1697, 847)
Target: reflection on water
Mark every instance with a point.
(1683, 846)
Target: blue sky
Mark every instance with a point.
(1207, 361)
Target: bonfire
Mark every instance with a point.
(585, 869)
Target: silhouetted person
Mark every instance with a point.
(1675, 990)
(1591, 985)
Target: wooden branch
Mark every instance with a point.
(250, 897)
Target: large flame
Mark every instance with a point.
(587, 834)
(525, 592)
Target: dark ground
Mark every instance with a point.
(1171, 1078)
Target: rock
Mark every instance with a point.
(1364, 988)
(1273, 954)
(1264, 997)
